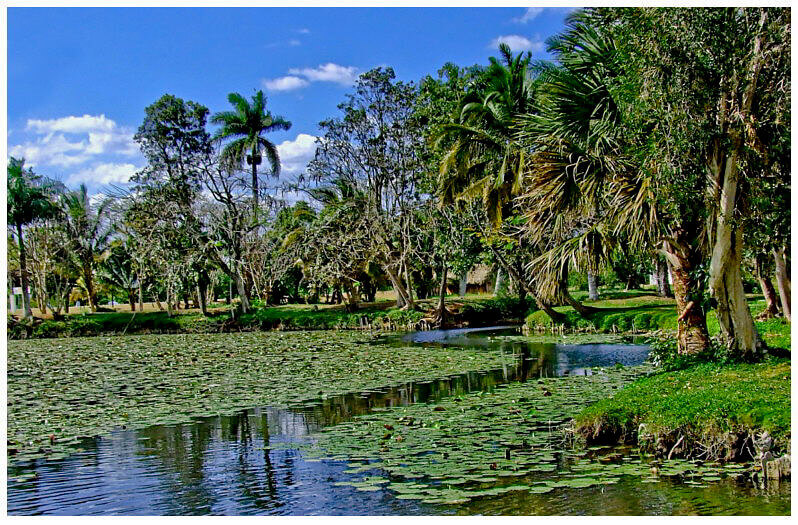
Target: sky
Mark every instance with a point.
(80, 78)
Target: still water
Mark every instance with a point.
(229, 465)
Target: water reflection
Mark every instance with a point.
(234, 465)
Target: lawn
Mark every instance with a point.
(710, 407)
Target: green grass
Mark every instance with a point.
(383, 315)
(640, 312)
(705, 404)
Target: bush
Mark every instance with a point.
(539, 320)
(664, 353)
(577, 281)
(490, 311)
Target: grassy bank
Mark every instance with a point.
(706, 410)
(638, 312)
(382, 315)
(66, 388)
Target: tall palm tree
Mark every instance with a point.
(89, 231)
(482, 156)
(27, 201)
(245, 125)
(573, 136)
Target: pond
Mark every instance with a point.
(253, 462)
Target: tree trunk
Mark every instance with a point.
(463, 284)
(158, 301)
(592, 286)
(408, 285)
(254, 184)
(734, 315)
(692, 334)
(41, 300)
(783, 282)
(663, 288)
(141, 294)
(771, 299)
(553, 314)
(202, 291)
(580, 308)
(23, 271)
(352, 296)
(725, 279)
(562, 285)
(242, 293)
(441, 317)
(402, 298)
(131, 296)
(499, 280)
(201, 298)
(88, 281)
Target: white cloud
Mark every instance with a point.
(329, 72)
(97, 199)
(294, 42)
(530, 14)
(104, 173)
(298, 78)
(295, 154)
(303, 31)
(72, 140)
(518, 43)
(71, 124)
(286, 83)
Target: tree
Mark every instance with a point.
(245, 125)
(373, 149)
(475, 149)
(51, 265)
(27, 201)
(164, 205)
(702, 98)
(483, 158)
(118, 269)
(89, 230)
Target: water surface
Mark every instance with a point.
(230, 465)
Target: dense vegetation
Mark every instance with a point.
(648, 146)
(656, 143)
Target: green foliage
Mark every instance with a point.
(664, 353)
(577, 281)
(245, 125)
(488, 311)
(28, 195)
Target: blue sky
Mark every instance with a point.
(80, 78)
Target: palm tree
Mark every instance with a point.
(246, 125)
(89, 231)
(482, 156)
(118, 269)
(27, 201)
(583, 166)
(573, 136)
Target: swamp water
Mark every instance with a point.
(315, 459)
